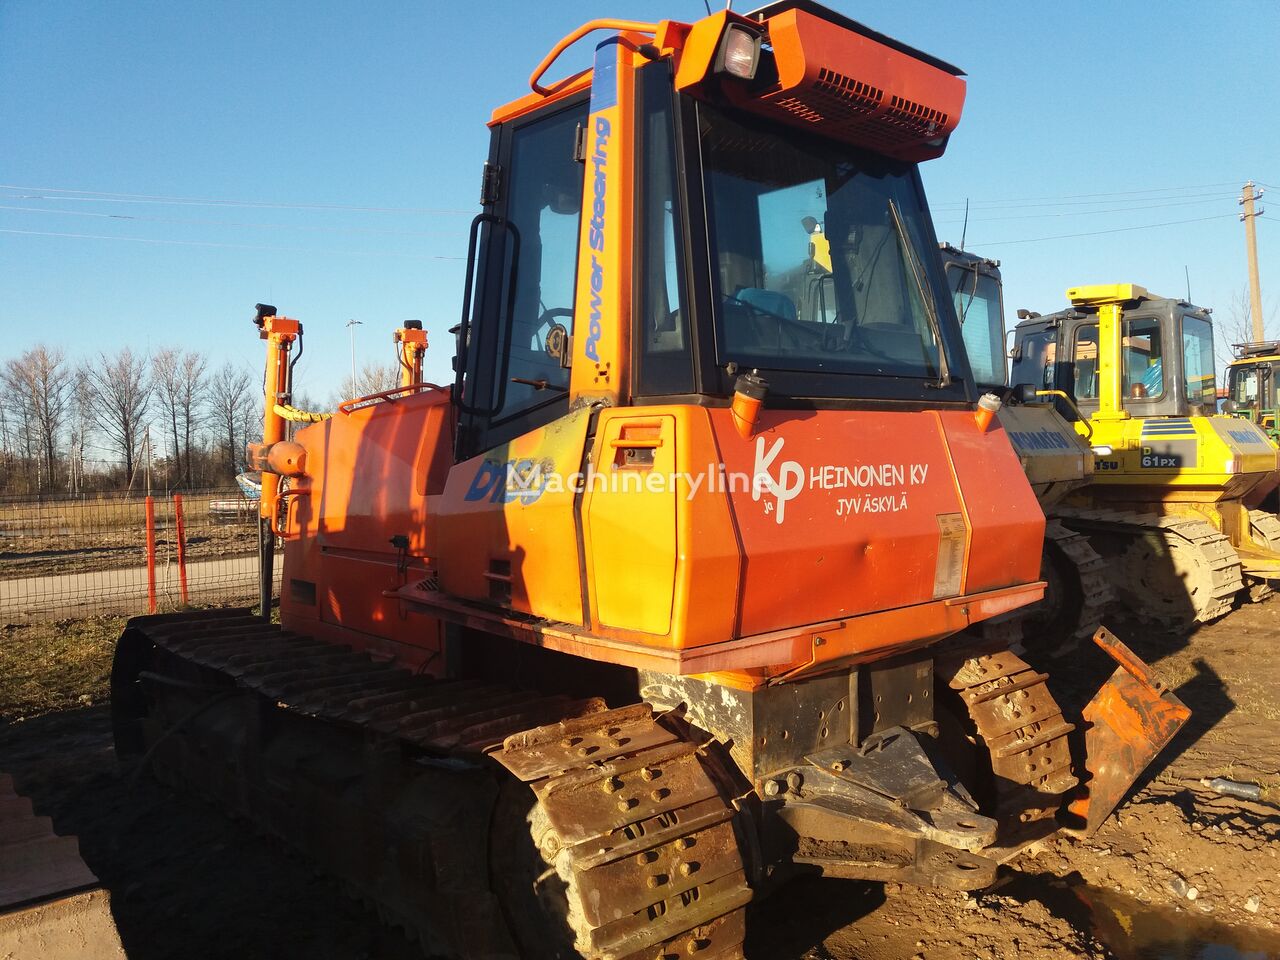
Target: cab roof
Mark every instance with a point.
(1256, 351)
(1095, 294)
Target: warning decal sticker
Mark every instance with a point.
(949, 572)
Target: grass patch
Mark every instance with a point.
(46, 667)
(99, 514)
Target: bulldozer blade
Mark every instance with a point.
(1127, 723)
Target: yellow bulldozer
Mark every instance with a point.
(1167, 506)
(1251, 384)
(1251, 395)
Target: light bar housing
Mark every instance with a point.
(830, 75)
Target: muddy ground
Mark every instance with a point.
(1180, 865)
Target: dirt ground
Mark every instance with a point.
(1178, 842)
(185, 881)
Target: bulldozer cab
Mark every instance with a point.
(654, 226)
(719, 217)
(978, 296)
(1251, 386)
(1166, 361)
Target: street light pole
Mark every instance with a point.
(351, 326)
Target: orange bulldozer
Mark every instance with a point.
(668, 596)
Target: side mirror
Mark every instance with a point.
(1228, 406)
(460, 348)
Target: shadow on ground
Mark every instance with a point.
(184, 880)
(793, 923)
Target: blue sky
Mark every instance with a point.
(1081, 117)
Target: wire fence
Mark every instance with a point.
(64, 557)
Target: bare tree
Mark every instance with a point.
(194, 387)
(20, 442)
(8, 451)
(1231, 326)
(121, 396)
(180, 384)
(1235, 325)
(164, 374)
(229, 396)
(81, 420)
(40, 379)
(372, 378)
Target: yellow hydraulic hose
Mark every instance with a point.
(294, 415)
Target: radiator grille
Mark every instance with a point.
(860, 112)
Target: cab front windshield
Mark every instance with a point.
(815, 248)
(977, 299)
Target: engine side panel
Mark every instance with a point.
(370, 475)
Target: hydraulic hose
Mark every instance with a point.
(294, 415)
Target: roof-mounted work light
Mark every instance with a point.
(739, 53)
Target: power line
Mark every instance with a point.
(1087, 213)
(108, 197)
(1022, 205)
(1098, 233)
(73, 194)
(1120, 193)
(233, 246)
(232, 223)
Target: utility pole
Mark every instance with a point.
(1251, 246)
(351, 325)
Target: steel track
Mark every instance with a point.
(1082, 602)
(1021, 728)
(1214, 583)
(391, 781)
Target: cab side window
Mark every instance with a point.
(1035, 360)
(1142, 359)
(1086, 362)
(544, 200)
(524, 297)
(1198, 361)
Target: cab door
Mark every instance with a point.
(507, 527)
(524, 280)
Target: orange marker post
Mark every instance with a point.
(180, 524)
(151, 555)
